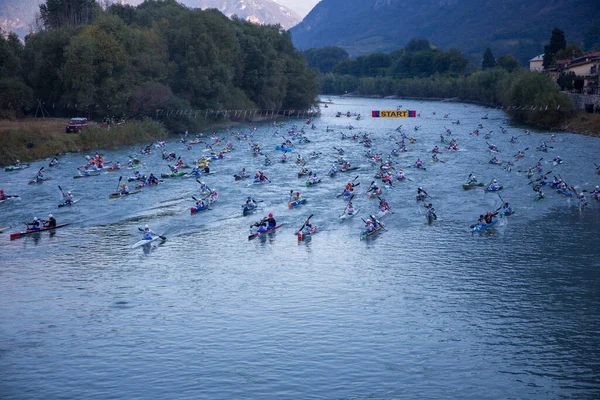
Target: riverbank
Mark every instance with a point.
(36, 138)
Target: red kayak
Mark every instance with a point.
(17, 235)
(269, 230)
(302, 236)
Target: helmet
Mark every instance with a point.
(368, 222)
(474, 177)
(249, 197)
(202, 183)
(420, 188)
(35, 218)
(297, 192)
(124, 185)
(270, 215)
(597, 187)
(49, 215)
(494, 181)
(69, 192)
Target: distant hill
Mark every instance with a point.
(16, 15)
(519, 27)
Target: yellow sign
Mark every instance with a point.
(394, 114)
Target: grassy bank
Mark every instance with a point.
(583, 123)
(33, 139)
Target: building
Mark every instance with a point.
(536, 63)
(586, 66)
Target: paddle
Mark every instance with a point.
(119, 184)
(160, 236)
(291, 194)
(304, 224)
(63, 193)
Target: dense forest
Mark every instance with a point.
(420, 70)
(130, 61)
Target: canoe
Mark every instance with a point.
(172, 175)
(476, 228)
(269, 230)
(117, 195)
(145, 242)
(296, 203)
(18, 235)
(39, 180)
(197, 209)
(345, 215)
(468, 186)
(302, 236)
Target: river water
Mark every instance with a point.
(420, 311)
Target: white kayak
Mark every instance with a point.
(145, 242)
(345, 215)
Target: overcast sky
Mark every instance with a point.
(301, 7)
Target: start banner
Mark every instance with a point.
(394, 114)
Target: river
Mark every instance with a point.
(419, 311)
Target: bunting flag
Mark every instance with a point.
(393, 114)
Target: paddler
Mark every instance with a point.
(384, 206)
(69, 198)
(494, 160)
(33, 226)
(152, 180)
(271, 223)
(263, 177)
(419, 163)
(250, 202)
(39, 176)
(430, 209)
(421, 194)
(582, 200)
(489, 217)
(373, 188)
(124, 189)
(50, 222)
(306, 230)
(148, 233)
(493, 186)
(349, 209)
(557, 160)
(400, 175)
(472, 180)
(507, 209)
(297, 197)
(2, 195)
(369, 226)
(204, 187)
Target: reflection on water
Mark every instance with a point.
(417, 311)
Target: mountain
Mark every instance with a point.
(300, 7)
(519, 27)
(16, 15)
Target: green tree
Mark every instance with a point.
(557, 42)
(325, 58)
(58, 13)
(571, 51)
(508, 62)
(489, 61)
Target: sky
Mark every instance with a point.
(300, 7)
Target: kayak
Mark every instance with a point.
(346, 215)
(141, 185)
(269, 230)
(145, 242)
(117, 195)
(374, 193)
(197, 209)
(381, 213)
(476, 228)
(421, 167)
(506, 214)
(86, 174)
(430, 217)
(39, 180)
(565, 192)
(302, 235)
(18, 235)
(374, 232)
(248, 209)
(348, 169)
(173, 175)
(68, 204)
(469, 186)
(286, 149)
(238, 177)
(309, 183)
(258, 183)
(11, 168)
(544, 149)
(10, 197)
(296, 203)
(489, 189)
